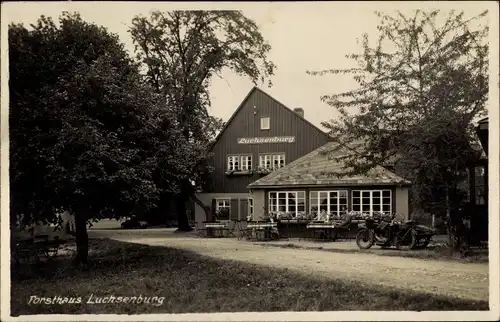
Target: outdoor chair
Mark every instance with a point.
(244, 232)
(345, 228)
(237, 225)
(200, 229)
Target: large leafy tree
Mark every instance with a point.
(421, 85)
(181, 51)
(85, 133)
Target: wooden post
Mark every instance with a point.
(307, 200)
(349, 199)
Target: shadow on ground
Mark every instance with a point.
(191, 283)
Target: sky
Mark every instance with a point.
(303, 35)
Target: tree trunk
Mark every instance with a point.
(82, 238)
(208, 212)
(182, 219)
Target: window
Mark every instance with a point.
(265, 161)
(246, 162)
(265, 123)
(479, 177)
(278, 161)
(370, 201)
(239, 163)
(233, 163)
(223, 208)
(289, 202)
(333, 202)
(222, 204)
(250, 206)
(272, 161)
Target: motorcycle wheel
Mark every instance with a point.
(408, 244)
(365, 238)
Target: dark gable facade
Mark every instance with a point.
(262, 135)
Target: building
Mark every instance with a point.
(262, 135)
(478, 186)
(308, 186)
(268, 159)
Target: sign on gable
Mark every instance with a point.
(261, 140)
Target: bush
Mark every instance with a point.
(222, 214)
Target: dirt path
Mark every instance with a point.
(465, 280)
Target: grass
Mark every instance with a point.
(437, 252)
(193, 283)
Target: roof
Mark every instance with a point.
(316, 169)
(483, 120)
(482, 134)
(482, 124)
(242, 104)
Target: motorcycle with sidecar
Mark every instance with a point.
(387, 232)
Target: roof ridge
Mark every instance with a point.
(232, 117)
(290, 110)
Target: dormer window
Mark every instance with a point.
(265, 123)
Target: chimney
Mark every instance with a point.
(299, 111)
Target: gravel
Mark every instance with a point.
(461, 280)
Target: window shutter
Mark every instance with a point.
(213, 210)
(233, 214)
(244, 209)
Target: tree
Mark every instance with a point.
(181, 51)
(420, 87)
(83, 126)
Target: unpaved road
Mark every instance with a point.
(464, 280)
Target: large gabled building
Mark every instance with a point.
(261, 136)
(268, 159)
(312, 184)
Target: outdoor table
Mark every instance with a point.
(328, 228)
(261, 229)
(215, 229)
(29, 250)
(202, 230)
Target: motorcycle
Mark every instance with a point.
(387, 232)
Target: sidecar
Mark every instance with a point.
(423, 233)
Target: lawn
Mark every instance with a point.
(191, 283)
